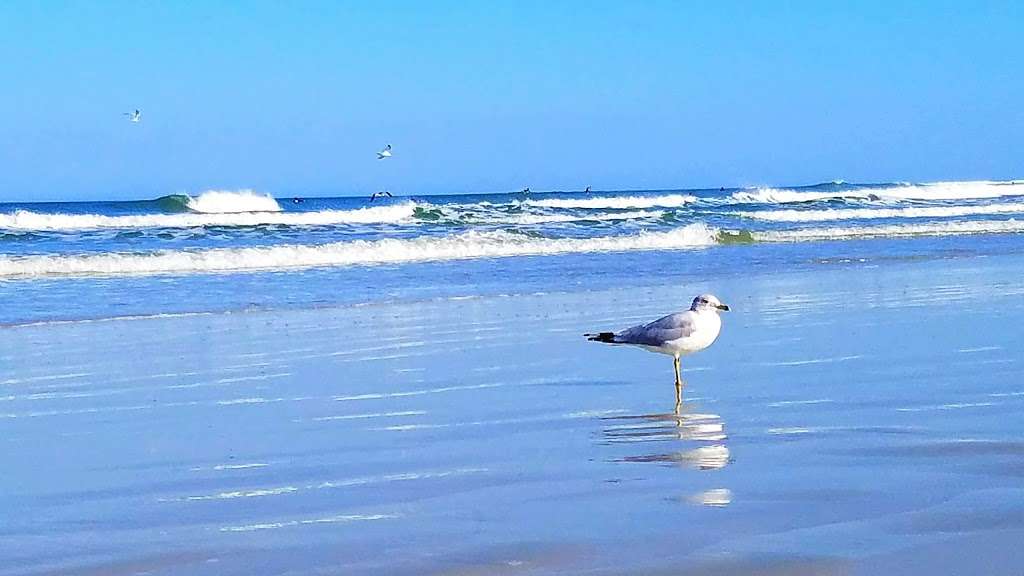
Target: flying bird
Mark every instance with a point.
(380, 194)
(677, 335)
(385, 153)
(134, 116)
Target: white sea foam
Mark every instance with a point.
(893, 231)
(606, 216)
(951, 406)
(931, 191)
(617, 202)
(26, 220)
(341, 518)
(872, 213)
(468, 245)
(246, 493)
(370, 415)
(783, 196)
(232, 201)
(463, 246)
(108, 319)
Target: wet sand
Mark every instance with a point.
(857, 419)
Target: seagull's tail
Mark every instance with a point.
(606, 337)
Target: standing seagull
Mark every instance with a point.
(134, 116)
(385, 153)
(679, 334)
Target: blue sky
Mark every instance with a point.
(294, 99)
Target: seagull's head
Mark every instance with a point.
(708, 302)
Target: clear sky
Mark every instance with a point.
(296, 98)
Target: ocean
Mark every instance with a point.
(237, 250)
(234, 384)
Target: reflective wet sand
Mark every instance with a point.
(860, 419)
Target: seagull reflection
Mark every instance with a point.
(717, 498)
(702, 458)
(658, 427)
(705, 434)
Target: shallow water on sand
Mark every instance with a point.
(857, 418)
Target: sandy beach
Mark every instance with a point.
(857, 418)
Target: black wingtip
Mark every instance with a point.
(608, 337)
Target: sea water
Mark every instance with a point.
(221, 251)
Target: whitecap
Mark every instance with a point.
(232, 201)
(464, 246)
(928, 191)
(617, 202)
(37, 221)
(874, 213)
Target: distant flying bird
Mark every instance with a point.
(385, 153)
(381, 194)
(587, 190)
(525, 190)
(679, 334)
(134, 116)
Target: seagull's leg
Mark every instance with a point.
(679, 381)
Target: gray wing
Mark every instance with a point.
(671, 327)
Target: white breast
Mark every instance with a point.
(709, 324)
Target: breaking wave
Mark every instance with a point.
(27, 220)
(893, 231)
(874, 213)
(932, 191)
(231, 202)
(607, 216)
(782, 196)
(615, 202)
(467, 245)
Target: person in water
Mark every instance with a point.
(297, 200)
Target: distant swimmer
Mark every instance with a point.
(381, 194)
(385, 153)
(134, 116)
(297, 200)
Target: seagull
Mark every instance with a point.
(134, 116)
(525, 190)
(679, 334)
(381, 194)
(385, 153)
